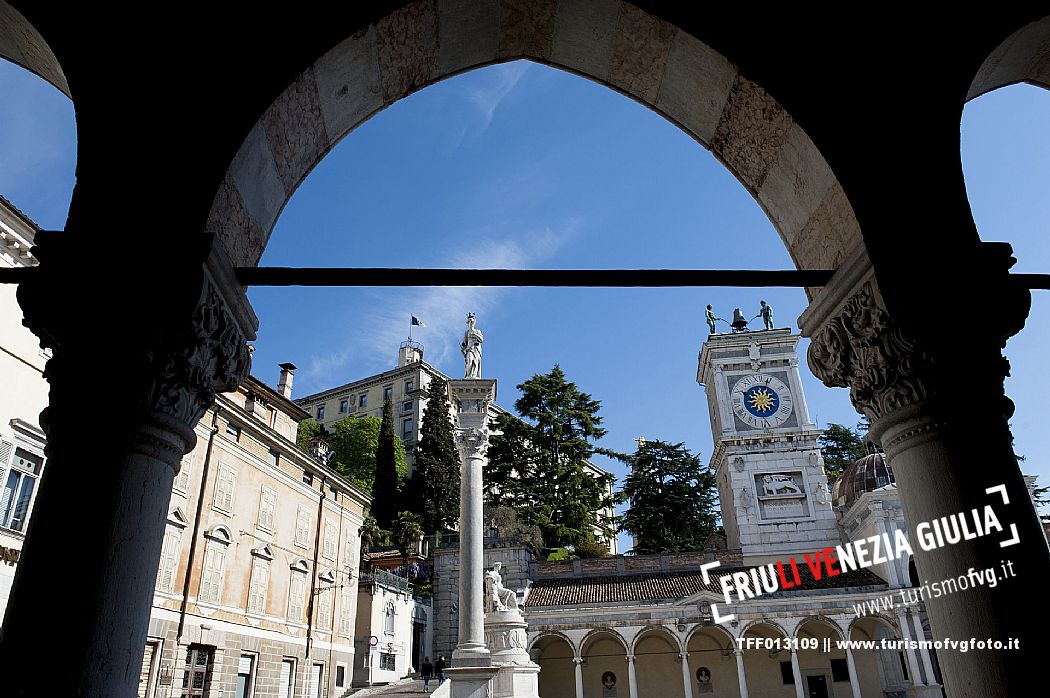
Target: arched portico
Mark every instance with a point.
(658, 656)
(181, 339)
(605, 658)
(711, 661)
(556, 656)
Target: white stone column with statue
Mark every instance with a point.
(507, 640)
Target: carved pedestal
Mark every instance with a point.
(507, 640)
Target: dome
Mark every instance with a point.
(869, 473)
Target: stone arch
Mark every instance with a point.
(764, 621)
(554, 652)
(657, 659)
(603, 651)
(22, 44)
(873, 618)
(614, 43)
(823, 620)
(1024, 56)
(711, 648)
(704, 629)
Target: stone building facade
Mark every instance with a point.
(256, 594)
(22, 396)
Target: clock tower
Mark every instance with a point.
(774, 494)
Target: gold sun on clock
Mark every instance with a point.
(761, 401)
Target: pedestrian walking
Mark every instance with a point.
(426, 672)
(439, 667)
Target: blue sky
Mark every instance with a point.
(524, 166)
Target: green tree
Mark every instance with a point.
(435, 484)
(371, 535)
(538, 464)
(406, 532)
(673, 500)
(841, 447)
(386, 489)
(355, 442)
(307, 431)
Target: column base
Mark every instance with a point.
(471, 656)
(933, 691)
(471, 682)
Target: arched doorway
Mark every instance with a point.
(711, 662)
(658, 663)
(604, 654)
(554, 654)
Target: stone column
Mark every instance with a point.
(909, 651)
(741, 677)
(472, 397)
(924, 654)
(796, 672)
(854, 681)
(138, 356)
(578, 661)
(632, 677)
(687, 678)
(933, 389)
(891, 565)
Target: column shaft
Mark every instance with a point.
(741, 677)
(579, 677)
(471, 563)
(924, 654)
(913, 664)
(632, 677)
(854, 681)
(796, 672)
(687, 678)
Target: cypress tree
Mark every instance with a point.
(437, 464)
(385, 504)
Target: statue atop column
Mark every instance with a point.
(709, 315)
(766, 313)
(471, 349)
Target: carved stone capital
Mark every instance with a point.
(472, 442)
(160, 340)
(862, 349)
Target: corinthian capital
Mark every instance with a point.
(160, 338)
(862, 349)
(472, 442)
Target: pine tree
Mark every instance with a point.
(385, 490)
(673, 499)
(436, 480)
(537, 464)
(841, 447)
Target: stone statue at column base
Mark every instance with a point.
(508, 642)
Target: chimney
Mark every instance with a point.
(284, 385)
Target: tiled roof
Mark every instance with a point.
(660, 586)
(18, 212)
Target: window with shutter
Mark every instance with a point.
(223, 499)
(302, 527)
(169, 556)
(324, 609)
(296, 596)
(257, 588)
(344, 614)
(211, 579)
(331, 535)
(182, 480)
(267, 509)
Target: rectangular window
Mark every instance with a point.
(320, 412)
(296, 596)
(245, 676)
(302, 527)
(182, 480)
(387, 661)
(267, 509)
(839, 670)
(388, 392)
(406, 429)
(148, 672)
(345, 618)
(344, 405)
(223, 497)
(308, 477)
(331, 537)
(362, 401)
(257, 587)
(286, 682)
(233, 431)
(340, 675)
(409, 386)
(316, 671)
(169, 558)
(324, 609)
(351, 550)
(786, 675)
(211, 579)
(197, 679)
(406, 407)
(17, 494)
(273, 457)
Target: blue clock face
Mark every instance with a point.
(761, 400)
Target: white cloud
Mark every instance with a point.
(500, 80)
(374, 339)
